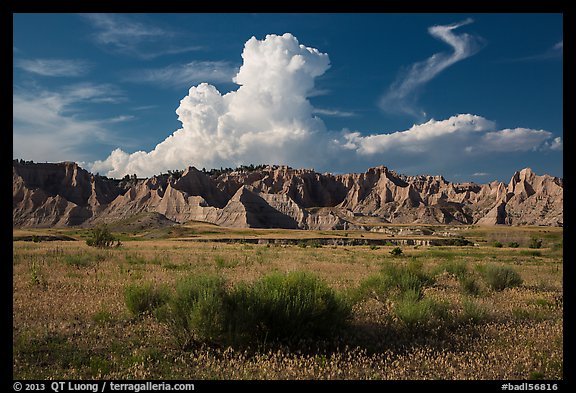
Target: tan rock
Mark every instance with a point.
(64, 194)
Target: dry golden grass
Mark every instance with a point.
(70, 320)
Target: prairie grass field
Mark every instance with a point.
(492, 310)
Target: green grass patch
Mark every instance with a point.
(531, 253)
(135, 259)
(102, 317)
(501, 277)
(456, 268)
(470, 285)
(419, 313)
(144, 298)
(79, 260)
(440, 253)
(472, 312)
(175, 266)
(224, 263)
(394, 280)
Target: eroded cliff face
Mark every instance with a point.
(63, 194)
(58, 194)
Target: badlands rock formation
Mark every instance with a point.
(63, 194)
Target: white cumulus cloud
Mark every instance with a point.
(419, 138)
(269, 119)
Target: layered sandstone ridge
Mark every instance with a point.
(63, 194)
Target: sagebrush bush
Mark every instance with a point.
(457, 268)
(286, 307)
(469, 285)
(277, 307)
(472, 312)
(144, 298)
(417, 313)
(501, 277)
(374, 286)
(393, 280)
(407, 277)
(196, 313)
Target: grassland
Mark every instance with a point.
(71, 321)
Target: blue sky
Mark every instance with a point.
(473, 97)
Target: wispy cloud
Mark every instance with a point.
(556, 51)
(54, 67)
(119, 119)
(144, 107)
(178, 75)
(559, 46)
(401, 96)
(332, 112)
(130, 37)
(49, 125)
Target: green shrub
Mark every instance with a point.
(418, 313)
(457, 268)
(407, 277)
(196, 313)
(375, 285)
(286, 307)
(144, 298)
(497, 244)
(531, 253)
(102, 316)
(394, 280)
(469, 285)
(459, 241)
(513, 245)
(278, 307)
(501, 277)
(481, 268)
(314, 243)
(101, 237)
(535, 243)
(472, 312)
(396, 251)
